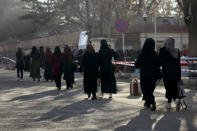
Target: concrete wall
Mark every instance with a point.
(181, 39)
(71, 39)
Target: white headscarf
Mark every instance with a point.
(170, 45)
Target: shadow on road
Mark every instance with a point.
(72, 110)
(57, 95)
(168, 120)
(141, 122)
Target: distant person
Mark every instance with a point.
(149, 64)
(57, 67)
(89, 66)
(48, 65)
(108, 80)
(67, 63)
(42, 56)
(27, 62)
(171, 70)
(42, 60)
(35, 64)
(19, 63)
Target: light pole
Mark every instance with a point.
(145, 20)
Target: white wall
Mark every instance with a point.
(179, 43)
(96, 43)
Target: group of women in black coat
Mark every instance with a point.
(62, 63)
(54, 65)
(98, 66)
(149, 63)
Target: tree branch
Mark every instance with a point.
(180, 4)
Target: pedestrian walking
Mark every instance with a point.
(171, 70)
(19, 63)
(35, 64)
(149, 64)
(108, 80)
(89, 66)
(27, 62)
(48, 65)
(42, 60)
(57, 67)
(67, 66)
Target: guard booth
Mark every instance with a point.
(96, 42)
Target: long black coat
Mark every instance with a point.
(149, 65)
(171, 68)
(19, 60)
(171, 72)
(48, 70)
(89, 65)
(35, 65)
(27, 62)
(67, 67)
(108, 80)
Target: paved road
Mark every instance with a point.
(33, 106)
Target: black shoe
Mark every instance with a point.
(153, 107)
(146, 105)
(89, 95)
(93, 98)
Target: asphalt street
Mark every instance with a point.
(38, 106)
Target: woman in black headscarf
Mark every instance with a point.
(149, 64)
(89, 66)
(56, 67)
(20, 63)
(42, 56)
(171, 70)
(108, 80)
(67, 66)
(35, 64)
(48, 65)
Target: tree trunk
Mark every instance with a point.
(192, 28)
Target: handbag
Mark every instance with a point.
(116, 69)
(181, 94)
(180, 91)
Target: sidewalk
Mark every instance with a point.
(33, 106)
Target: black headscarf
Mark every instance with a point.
(105, 53)
(68, 52)
(42, 51)
(149, 47)
(33, 50)
(35, 53)
(19, 53)
(104, 48)
(57, 51)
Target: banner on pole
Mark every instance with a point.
(83, 40)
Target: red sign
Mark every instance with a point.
(121, 26)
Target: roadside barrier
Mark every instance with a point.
(6, 58)
(185, 62)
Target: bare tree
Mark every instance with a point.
(190, 15)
